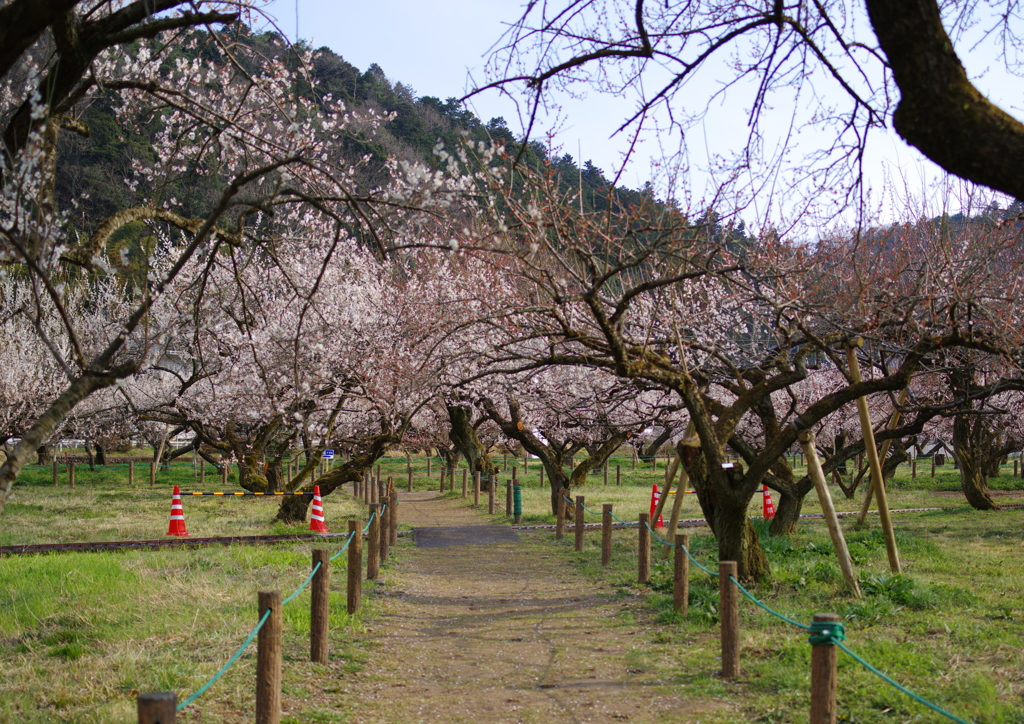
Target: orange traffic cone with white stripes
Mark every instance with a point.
(177, 524)
(655, 497)
(769, 507)
(316, 518)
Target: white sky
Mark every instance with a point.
(440, 49)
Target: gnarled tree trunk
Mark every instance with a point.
(972, 447)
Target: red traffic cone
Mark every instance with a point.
(177, 524)
(655, 497)
(769, 507)
(316, 518)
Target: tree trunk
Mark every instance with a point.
(293, 507)
(971, 439)
(101, 455)
(726, 514)
(45, 455)
(465, 439)
(787, 512)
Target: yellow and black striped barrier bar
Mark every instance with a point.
(197, 493)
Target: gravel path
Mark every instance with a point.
(506, 633)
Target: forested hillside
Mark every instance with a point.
(93, 169)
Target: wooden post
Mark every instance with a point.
(823, 677)
(428, 467)
(913, 468)
(152, 474)
(606, 473)
(504, 462)
(643, 557)
(202, 473)
(606, 534)
(157, 707)
(465, 482)
(320, 607)
(56, 473)
(224, 475)
(410, 478)
(393, 518)
(817, 475)
(618, 475)
(634, 458)
(373, 545)
(515, 477)
(560, 518)
(877, 483)
(681, 575)
(729, 610)
(579, 523)
(476, 488)
(490, 496)
(268, 660)
(508, 499)
(355, 566)
(441, 488)
(385, 527)
(71, 474)
(933, 463)
(542, 476)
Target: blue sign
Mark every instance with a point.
(329, 454)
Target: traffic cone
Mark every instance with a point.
(769, 507)
(177, 524)
(316, 518)
(655, 497)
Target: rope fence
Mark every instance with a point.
(381, 531)
(825, 632)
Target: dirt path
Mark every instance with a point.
(505, 633)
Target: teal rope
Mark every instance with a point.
(688, 555)
(902, 688)
(749, 595)
(304, 584)
(826, 633)
(344, 547)
(225, 667)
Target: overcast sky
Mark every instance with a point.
(440, 49)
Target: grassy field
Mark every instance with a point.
(79, 634)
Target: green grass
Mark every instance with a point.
(950, 628)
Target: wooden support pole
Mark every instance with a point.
(409, 472)
(504, 462)
(320, 607)
(643, 557)
(729, 610)
(71, 474)
(618, 475)
(560, 517)
(268, 660)
(224, 475)
(606, 473)
(515, 476)
(56, 474)
(933, 464)
(508, 499)
(476, 488)
(823, 677)
(606, 534)
(817, 475)
(355, 567)
(579, 523)
(490, 496)
(913, 468)
(428, 467)
(157, 707)
(873, 462)
(541, 476)
(681, 575)
(894, 420)
(373, 545)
